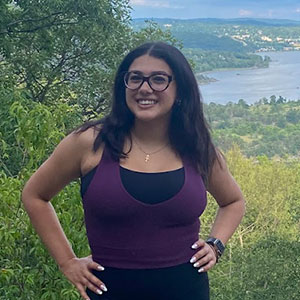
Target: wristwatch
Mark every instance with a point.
(218, 246)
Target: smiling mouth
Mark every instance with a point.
(146, 102)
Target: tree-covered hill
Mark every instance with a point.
(235, 21)
(234, 40)
(270, 127)
(246, 35)
(206, 60)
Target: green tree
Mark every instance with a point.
(68, 50)
(57, 44)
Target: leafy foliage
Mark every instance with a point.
(26, 268)
(261, 258)
(269, 127)
(27, 271)
(50, 48)
(68, 50)
(30, 130)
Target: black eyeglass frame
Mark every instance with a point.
(147, 79)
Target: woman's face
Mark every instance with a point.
(145, 103)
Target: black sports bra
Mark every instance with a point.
(149, 188)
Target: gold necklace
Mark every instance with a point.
(147, 157)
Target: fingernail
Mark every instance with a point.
(200, 270)
(196, 265)
(99, 292)
(100, 268)
(195, 246)
(193, 259)
(103, 287)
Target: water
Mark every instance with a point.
(282, 78)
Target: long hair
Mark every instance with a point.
(189, 133)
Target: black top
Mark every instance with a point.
(149, 188)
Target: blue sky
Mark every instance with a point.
(188, 9)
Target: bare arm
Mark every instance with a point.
(47, 181)
(229, 197)
(63, 166)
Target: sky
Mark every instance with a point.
(189, 9)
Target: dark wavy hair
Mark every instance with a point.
(189, 133)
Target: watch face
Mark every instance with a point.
(217, 243)
(220, 245)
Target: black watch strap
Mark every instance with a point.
(218, 246)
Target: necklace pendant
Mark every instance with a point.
(147, 157)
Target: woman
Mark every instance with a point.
(145, 170)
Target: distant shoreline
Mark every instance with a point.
(209, 80)
(204, 79)
(255, 84)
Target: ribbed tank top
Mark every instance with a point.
(124, 232)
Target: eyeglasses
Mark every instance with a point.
(158, 81)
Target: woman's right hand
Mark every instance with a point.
(78, 272)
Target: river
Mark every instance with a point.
(282, 78)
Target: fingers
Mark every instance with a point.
(82, 292)
(94, 279)
(205, 258)
(198, 244)
(94, 283)
(93, 265)
(79, 273)
(207, 267)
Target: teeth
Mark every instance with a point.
(146, 102)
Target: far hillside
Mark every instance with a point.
(248, 35)
(269, 127)
(230, 43)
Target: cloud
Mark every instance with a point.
(298, 10)
(155, 4)
(245, 13)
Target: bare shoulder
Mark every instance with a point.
(89, 157)
(221, 185)
(74, 147)
(83, 140)
(63, 165)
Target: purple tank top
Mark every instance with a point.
(126, 233)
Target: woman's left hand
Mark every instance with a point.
(205, 258)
